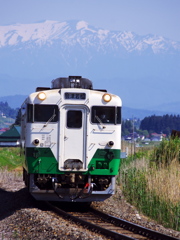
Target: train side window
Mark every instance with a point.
(74, 119)
(118, 117)
(103, 114)
(29, 113)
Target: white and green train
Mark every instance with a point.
(71, 141)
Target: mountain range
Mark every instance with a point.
(71, 33)
(143, 70)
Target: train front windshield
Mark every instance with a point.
(106, 115)
(42, 113)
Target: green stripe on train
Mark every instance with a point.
(42, 160)
(105, 162)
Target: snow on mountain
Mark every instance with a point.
(38, 32)
(79, 32)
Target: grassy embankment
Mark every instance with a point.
(150, 180)
(10, 158)
(10, 165)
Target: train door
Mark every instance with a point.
(73, 138)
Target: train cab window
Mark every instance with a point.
(118, 116)
(43, 113)
(103, 114)
(106, 115)
(74, 119)
(30, 113)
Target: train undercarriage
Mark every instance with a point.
(69, 187)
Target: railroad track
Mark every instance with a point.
(108, 225)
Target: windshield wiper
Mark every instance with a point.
(99, 120)
(51, 118)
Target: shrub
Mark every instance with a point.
(166, 152)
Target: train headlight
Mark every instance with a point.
(36, 141)
(107, 97)
(41, 96)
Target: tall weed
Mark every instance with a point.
(148, 201)
(155, 190)
(166, 152)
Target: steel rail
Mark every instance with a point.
(88, 225)
(133, 229)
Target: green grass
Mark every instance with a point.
(151, 182)
(136, 191)
(10, 158)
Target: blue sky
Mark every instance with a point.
(161, 17)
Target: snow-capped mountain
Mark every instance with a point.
(122, 61)
(73, 33)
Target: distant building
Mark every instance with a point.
(157, 137)
(11, 137)
(3, 115)
(132, 136)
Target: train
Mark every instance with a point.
(71, 141)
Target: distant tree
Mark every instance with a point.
(161, 124)
(130, 126)
(18, 118)
(8, 111)
(127, 127)
(167, 131)
(143, 133)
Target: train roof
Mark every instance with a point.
(70, 82)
